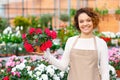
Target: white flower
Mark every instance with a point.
(28, 68)
(50, 71)
(62, 74)
(34, 75)
(2, 71)
(40, 67)
(30, 73)
(44, 77)
(17, 28)
(24, 61)
(112, 69)
(118, 34)
(19, 48)
(55, 77)
(38, 73)
(21, 27)
(13, 69)
(21, 66)
(7, 30)
(18, 33)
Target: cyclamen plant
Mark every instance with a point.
(114, 57)
(36, 37)
(32, 68)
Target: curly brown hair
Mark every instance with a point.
(91, 13)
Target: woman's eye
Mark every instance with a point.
(89, 20)
(81, 21)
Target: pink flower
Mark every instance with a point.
(18, 74)
(13, 57)
(33, 58)
(0, 65)
(23, 36)
(18, 62)
(8, 69)
(0, 60)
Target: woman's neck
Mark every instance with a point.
(86, 35)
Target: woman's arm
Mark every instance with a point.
(63, 63)
(104, 63)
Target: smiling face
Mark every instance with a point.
(85, 23)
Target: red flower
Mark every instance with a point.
(8, 69)
(23, 36)
(38, 31)
(6, 78)
(48, 43)
(28, 47)
(32, 30)
(43, 47)
(106, 39)
(47, 31)
(53, 34)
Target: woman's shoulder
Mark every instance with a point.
(100, 40)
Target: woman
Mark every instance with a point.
(86, 54)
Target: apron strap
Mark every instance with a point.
(97, 51)
(95, 43)
(75, 42)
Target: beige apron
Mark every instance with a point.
(83, 64)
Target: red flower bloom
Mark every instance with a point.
(47, 31)
(43, 47)
(28, 47)
(48, 44)
(23, 36)
(8, 69)
(106, 39)
(38, 31)
(53, 34)
(32, 30)
(6, 78)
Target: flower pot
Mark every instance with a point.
(118, 73)
(38, 51)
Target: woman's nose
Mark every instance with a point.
(85, 23)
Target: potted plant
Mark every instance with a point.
(114, 59)
(102, 12)
(45, 20)
(22, 21)
(37, 40)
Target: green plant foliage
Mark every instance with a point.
(72, 12)
(65, 33)
(44, 20)
(34, 21)
(3, 24)
(22, 21)
(102, 11)
(117, 11)
(64, 17)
